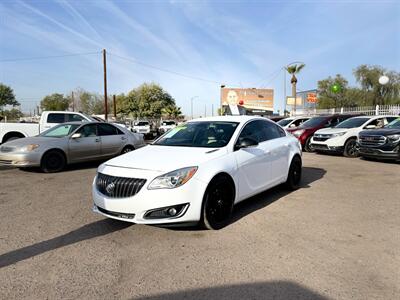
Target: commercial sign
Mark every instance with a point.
(251, 99)
(290, 101)
(312, 98)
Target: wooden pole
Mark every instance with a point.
(115, 107)
(73, 101)
(105, 85)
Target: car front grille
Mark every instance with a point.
(320, 138)
(372, 140)
(118, 187)
(5, 162)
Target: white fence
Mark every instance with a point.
(365, 110)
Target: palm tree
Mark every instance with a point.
(292, 70)
(173, 112)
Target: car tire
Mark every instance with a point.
(53, 161)
(218, 203)
(350, 148)
(127, 149)
(307, 145)
(294, 174)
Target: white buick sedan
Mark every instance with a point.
(197, 172)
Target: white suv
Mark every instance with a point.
(343, 137)
(166, 125)
(142, 127)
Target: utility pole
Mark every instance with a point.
(284, 92)
(115, 107)
(205, 110)
(105, 85)
(73, 101)
(212, 109)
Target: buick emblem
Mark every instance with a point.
(110, 188)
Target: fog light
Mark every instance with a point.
(172, 211)
(167, 212)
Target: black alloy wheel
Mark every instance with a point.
(53, 161)
(294, 174)
(218, 203)
(351, 148)
(307, 145)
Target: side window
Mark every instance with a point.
(251, 131)
(298, 122)
(378, 123)
(107, 129)
(88, 130)
(75, 118)
(390, 119)
(268, 131)
(56, 118)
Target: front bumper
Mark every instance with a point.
(380, 154)
(134, 209)
(16, 159)
(326, 148)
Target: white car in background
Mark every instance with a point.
(197, 172)
(293, 122)
(166, 125)
(142, 127)
(343, 137)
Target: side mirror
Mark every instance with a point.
(370, 127)
(246, 143)
(76, 136)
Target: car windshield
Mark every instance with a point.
(60, 130)
(142, 123)
(167, 123)
(352, 123)
(315, 121)
(284, 122)
(199, 134)
(394, 124)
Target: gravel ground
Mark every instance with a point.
(335, 238)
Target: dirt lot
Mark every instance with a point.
(336, 237)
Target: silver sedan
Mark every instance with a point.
(69, 143)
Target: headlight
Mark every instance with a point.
(298, 133)
(338, 134)
(172, 179)
(394, 138)
(29, 148)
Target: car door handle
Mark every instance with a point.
(97, 140)
(123, 138)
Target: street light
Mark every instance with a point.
(191, 105)
(383, 80)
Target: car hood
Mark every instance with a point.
(166, 158)
(31, 140)
(331, 130)
(385, 131)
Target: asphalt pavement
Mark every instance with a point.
(335, 238)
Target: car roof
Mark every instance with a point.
(239, 119)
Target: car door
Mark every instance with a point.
(113, 139)
(277, 145)
(253, 163)
(87, 146)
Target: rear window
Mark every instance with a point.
(56, 118)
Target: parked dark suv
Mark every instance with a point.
(306, 130)
(381, 143)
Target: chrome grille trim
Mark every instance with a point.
(372, 140)
(118, 187)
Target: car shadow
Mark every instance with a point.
(86, 232)
(259, 201)
(71, 167)
(261, 290)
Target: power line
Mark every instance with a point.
(47, 57)
(164, 70)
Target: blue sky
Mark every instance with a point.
(237, 43)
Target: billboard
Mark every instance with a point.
(251, 99)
